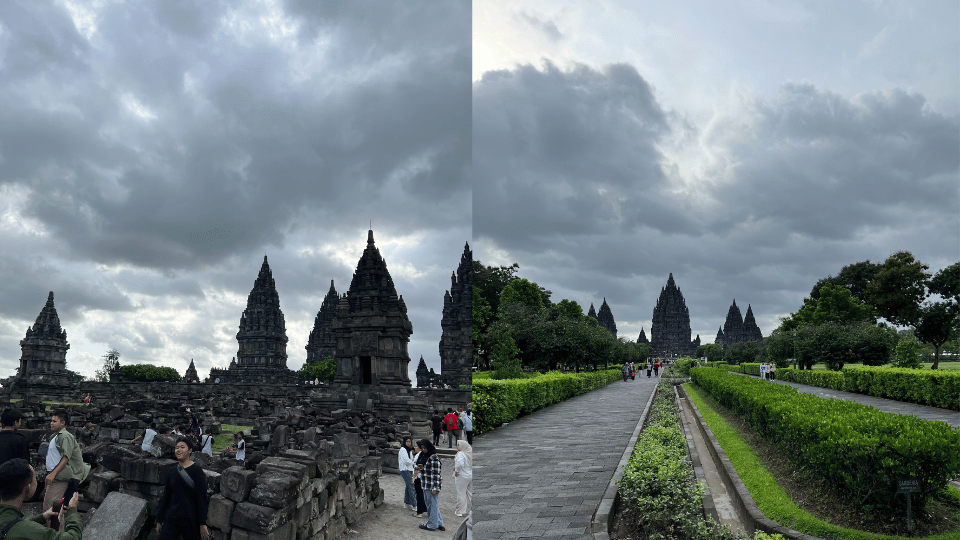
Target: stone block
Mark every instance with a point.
(302, 456)
(150, 470)
(275, 489)
(236, 483)
(294, 468)
(101, 484)
(120, 517)
(280, 437)
(345, 444)
(115, 455)
(259, 519)
(284, 532)
(220, 512)
(151, 490)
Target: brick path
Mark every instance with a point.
(543, 476)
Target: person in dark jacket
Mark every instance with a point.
(18, 483)
(183, 507)
(12, 444)
(435, 422)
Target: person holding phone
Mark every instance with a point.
(18, 483)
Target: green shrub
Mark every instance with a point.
(907, 355)
(935, 388)
(857, 448)
(149, 373)
(682, 365)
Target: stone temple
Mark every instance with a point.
(605, 318)
(261, 339)
(670, 333)
(736, 329)
(43, 358)
(592, 312)
(456, 342)
(371, 327)
(322, 344)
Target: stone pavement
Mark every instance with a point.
(948, 416)
(543, 476)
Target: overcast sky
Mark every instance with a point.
(750, 148)
(151, 153)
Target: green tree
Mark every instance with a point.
(938, 324)
(525, 292)
(898, 289)
(834, 304)
(712, 351)
(489, 282)
(946, 283)
(742, 352)
(567, 308)
(325, 370)
(853, 277)
(779, 347)
(481, 321)
(907, 356)
(149, 373)
(872, 345)
(111, 359)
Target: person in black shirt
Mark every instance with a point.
(12, 444)
(183, 507)
(436, 420)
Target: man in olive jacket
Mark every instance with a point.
(18, 483)
(64, 460)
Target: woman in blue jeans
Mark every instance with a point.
(405, 464)
(430, 473)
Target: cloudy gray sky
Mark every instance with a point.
(152, 152)
(748, 147)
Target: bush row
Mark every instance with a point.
(936, 388)
(860, 450)
(498, 401)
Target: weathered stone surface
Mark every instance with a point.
(298, 462)
(283, 532)
(220, 512)
(236, 483)
(456, 342)
(280, 437)
(322, 343)
(150, 470)
(120, 517)
(275, 489)
(605, 318)
(44, 350)
(101, 484)
(151, 490)
(114, 456)
(670, 333)
(260, 519)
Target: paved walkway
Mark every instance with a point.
(887, 405)
(543, 476)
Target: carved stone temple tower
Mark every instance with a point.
(456, 342)
(670, 333)
(322, 343)
(43, 358)
(262, 338)
(605, 318)
(736, 329)
(371, 327)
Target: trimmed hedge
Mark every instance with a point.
(935, 388)
(496, 402)
(857, 448)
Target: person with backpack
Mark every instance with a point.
(183, 506)
(436, 422)
(206, 444)
(452, 422)
(148, 435)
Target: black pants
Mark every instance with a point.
(469, 437)
(421, 504)
(175, 530)
(436, 438)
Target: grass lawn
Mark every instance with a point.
(773, 499)
(950, 366)
(225, 439)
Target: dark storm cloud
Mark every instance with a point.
(169, 140)
(585, 180)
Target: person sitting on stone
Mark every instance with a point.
(18, 483)
(148, 435)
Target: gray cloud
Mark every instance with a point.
(546, 27)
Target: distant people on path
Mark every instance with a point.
(419, 459)
(772, 372)
(183, 507)
(656, 369)
(463, 474)
(430, 473)
(241, 446)
(452, 423)
(64, 460)
(12, 444)
(649, 369)
(436, 422)
(468, 426)
(763, 372)
(18, 483)
(148, 435)
(405, 464)
(625, 371)
(633, 371)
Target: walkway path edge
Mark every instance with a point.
(750, 513)
(603, 517)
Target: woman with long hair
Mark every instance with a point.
(405, 464)
(419, 458)
(463, 472)
(432, 480)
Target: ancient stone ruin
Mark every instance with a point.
(670, 334)
(736, 329)
(642, 338)
(456, 342)
(605, 318)
(43, 358)
(322, 343)
(592, 312)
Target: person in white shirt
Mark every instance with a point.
(405, 464)
(468, 426)
(147, 437)
(241, 449)
(763, 372)
(206, 444)
(463, 473)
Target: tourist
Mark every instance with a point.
(468, 426)
(649, 368)
(64, 460)
(430, 473)
(633, 371)
(452, 422)
(436, 422)
(18, 483)
(183, 506)
(206, 444)
(148, 435)
(241, 448)
(463, 472)
(625, 371)
(87, 400)
(656, 369)
(763, 372)
(12, 444)
(772, 372)
(419, 458)
(405, 464)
